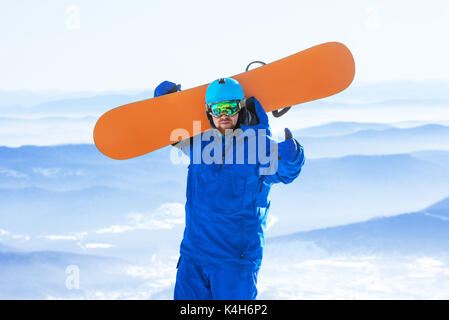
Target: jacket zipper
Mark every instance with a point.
(221, 164)
(223, 154)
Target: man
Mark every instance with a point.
(227, 194)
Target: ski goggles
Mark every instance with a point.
(229, 108)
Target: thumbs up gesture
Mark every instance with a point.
(288, 149)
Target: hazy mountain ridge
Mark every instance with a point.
(394, 90)
(396, 93)
(69, 182)
(90, 105)
(330, 189)
(4, 249)
(424, 232)
(47, 274)
(371, 142)
(366, 251)
(339, 128)
(97, 105)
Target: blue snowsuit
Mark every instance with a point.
(226, 211)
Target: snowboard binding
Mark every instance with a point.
(275, 113)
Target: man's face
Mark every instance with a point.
(224, 122)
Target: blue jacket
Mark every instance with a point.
(227, 201)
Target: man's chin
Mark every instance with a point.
(226, 126)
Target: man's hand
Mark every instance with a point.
(166, 87)
(288, 149)
(254, 116)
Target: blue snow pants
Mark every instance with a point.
(205, 281)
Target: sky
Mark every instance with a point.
(77, 45)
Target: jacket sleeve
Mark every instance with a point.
(287, 171)
(273, 171)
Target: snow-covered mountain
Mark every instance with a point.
(54, 275)
(336, 232)
(391, 257)
(424, 232)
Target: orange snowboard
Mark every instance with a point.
(140, 127)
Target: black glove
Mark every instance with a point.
(288, 149)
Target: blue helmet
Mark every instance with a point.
(224, 89)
